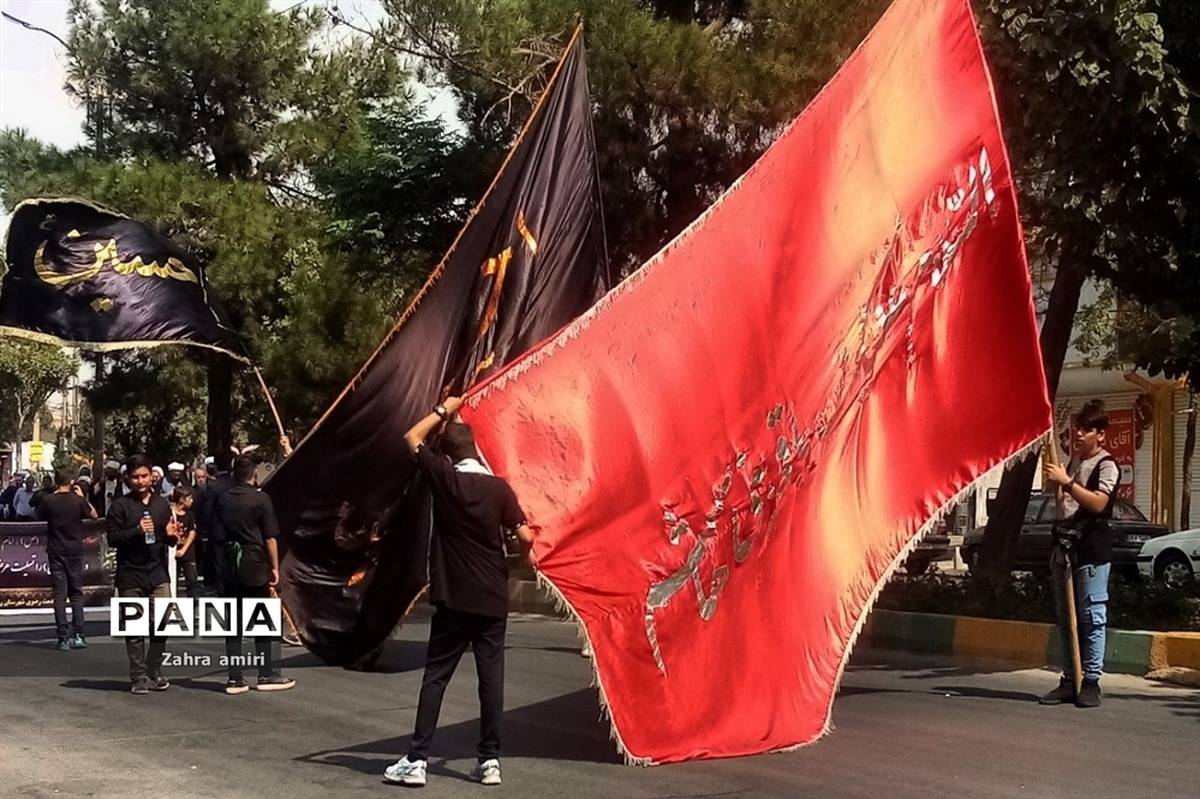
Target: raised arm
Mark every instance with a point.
(417, 434)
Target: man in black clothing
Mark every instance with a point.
(47, 488)
(468, 586)
(244, 519)
(137, 528)
(63, 512)
(219, 481)
(7, 497)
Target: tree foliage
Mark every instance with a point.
(294, 166)
(686, 95)
(398, 196)
(29, 373)
(1105, 146)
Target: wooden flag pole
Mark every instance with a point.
(284, 442)
(1051, 455)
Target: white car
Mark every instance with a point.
(1173, 558)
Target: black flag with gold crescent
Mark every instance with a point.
(86, 277)
(353, 512)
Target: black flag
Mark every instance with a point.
(82, 276)
(354, 515)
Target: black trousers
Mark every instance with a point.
(187, 565)
(213, 567)
(146, 661)
(449, 635)
(263, 650)
(66, 575)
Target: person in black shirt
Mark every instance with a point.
(137, 528)
(468, 586)
(244, 519)
(63, 510)
(219, 481)
(185, 530)
(47, 488)
(7, 497)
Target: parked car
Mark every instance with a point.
(1130, 528)
(934, 546)
(1173, 558)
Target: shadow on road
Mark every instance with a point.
(44, 631)
(984, 693)
(98, 685)
(562, 728)
(398, 656)
(564, 650)
(1187, 706)
(861, 690)
(927, 666)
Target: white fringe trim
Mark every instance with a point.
(1024, 452)
(563, 605)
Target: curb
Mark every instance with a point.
(1026, 643)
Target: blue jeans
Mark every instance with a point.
(1091, 611)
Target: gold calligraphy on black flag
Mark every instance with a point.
(83, 276)
(354, 514)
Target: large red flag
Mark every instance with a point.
(726, 458)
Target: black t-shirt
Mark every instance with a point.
(187, 523)
(63, 514)
(467, 570)
(207, 523)
(246, 519)
(139, 565)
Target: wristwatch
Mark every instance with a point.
(441, 411)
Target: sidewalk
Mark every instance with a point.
(1027, 643)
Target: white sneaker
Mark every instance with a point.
(408, 772)
(487, 772)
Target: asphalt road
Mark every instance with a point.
(906, 726)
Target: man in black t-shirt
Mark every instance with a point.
(219, 480)
(244, 520)
(63, 511)
(137, 527)
(468, 586)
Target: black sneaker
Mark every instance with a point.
(1065, 692)
(63, 645)
(140, 686)
(1089, 694)
(78, 642)
(159, 683)
(235, 687)
(275, 683)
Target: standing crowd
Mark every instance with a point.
(212, 525)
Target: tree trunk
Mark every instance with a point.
(220, 405)
(1189, 448)
(1004, 526)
